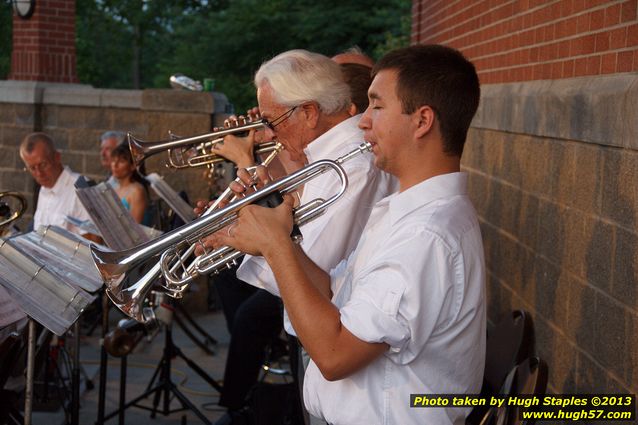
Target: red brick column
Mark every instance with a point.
(44, 45)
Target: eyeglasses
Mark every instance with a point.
(280, 119)
(41, 167)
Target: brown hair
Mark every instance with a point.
(440, 77)
(358, 77)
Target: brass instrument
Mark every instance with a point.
(196, 151)
(114, 266)
(8, 213)
(117, 288)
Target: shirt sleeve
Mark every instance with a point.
(402, 303)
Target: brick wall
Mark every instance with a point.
(527, 40)
(44, 44)
(553, 162)
(76, 115)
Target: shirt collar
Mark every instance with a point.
(321, 147)
(60, 182)
(430, 190)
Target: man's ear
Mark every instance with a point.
(310, 113)
(424, 117)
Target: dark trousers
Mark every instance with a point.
(232, 293)
(256, 323)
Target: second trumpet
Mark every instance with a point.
(196, 151)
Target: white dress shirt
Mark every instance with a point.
(331, 237)
(416, 282)
(59, 201)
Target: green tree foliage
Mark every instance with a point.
(6, 13)
(140, 43)
(229, 44)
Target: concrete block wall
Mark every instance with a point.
(76, 115)
(558, 214)
(553, 162)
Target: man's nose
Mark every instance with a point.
(269, 135)
(364, 122)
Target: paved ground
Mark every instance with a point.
(141, 365)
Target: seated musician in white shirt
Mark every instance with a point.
(57, 198)
(408, 312)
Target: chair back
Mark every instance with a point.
(508, 343)
(527, 378)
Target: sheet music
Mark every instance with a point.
(109, 215)
(164, 191)
(46, 275)
(86, 225)
(64, 254)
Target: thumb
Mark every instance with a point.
(289, 200)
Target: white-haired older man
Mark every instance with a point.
(305, 100)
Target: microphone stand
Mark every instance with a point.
(164, 385)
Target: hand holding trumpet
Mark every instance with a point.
(258, 230)
(239, 149)
(247, 182)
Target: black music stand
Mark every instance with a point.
(165, 385)
(207, 338)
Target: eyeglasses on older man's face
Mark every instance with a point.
(280, 119)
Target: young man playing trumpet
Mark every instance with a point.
(405, 312)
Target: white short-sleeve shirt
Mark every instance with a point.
(416, 282)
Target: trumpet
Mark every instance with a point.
(7, 213)
(113, 266)
(196, 151)
(121, 294)
(226, 257)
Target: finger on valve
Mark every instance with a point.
(253, 113)
(262, 175)
(200, 206)
(255, 176)
(238, 188)
(203, 245)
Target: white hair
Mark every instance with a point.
(299, 76)
(117, 135)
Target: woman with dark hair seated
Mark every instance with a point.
(131, 185)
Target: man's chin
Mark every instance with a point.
(380, 163)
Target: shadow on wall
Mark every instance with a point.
(609, 312)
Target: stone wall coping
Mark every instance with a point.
(31, 92)
(600, 110)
